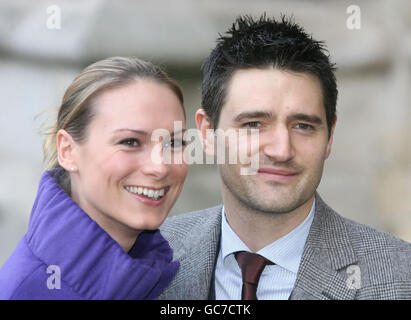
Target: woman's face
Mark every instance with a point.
(116, 182)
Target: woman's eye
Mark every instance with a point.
(252, 124)
(175, 144)
(130, 142)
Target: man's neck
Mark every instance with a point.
(258, 229)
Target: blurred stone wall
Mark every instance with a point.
(368, 176)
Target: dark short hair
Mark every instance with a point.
(265, 43)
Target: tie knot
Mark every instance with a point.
(251, 265)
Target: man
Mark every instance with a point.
(272, 77)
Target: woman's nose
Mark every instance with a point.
(155, 164)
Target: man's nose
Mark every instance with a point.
(278, 145)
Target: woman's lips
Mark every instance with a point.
(277, 174)
(149, 201)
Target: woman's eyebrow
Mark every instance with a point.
(142, 132)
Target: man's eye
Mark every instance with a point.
(304, 126)
(130, 142)
(252, 124)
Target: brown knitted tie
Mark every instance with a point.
(251, 265)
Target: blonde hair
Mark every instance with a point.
(76, 112)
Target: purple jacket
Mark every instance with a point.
(66, 255)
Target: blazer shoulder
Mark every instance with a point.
(379, 262)
(385, 256)
(187, 229)
(364, 239)
(368, 239)
(188, 222)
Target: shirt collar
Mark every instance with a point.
(285, 252)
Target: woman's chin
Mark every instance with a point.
(147, 223)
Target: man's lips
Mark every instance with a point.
(277, 174)
(280, 172)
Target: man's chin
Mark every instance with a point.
(275, 209)
(276, 203)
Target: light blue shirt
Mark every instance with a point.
(276, 281)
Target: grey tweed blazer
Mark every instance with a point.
(342, 259)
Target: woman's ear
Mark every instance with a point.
(206, 131)
(65, 154)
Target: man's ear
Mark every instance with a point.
(207, 136)
(330, 139)
(65, 155)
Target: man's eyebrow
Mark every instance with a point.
(252, 115)
(311, 118)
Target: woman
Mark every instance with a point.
(93, 228)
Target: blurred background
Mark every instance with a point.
(45, 44)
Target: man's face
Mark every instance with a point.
(287, 110)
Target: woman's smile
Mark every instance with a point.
(148, 195)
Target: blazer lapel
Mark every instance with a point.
(327, 254)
